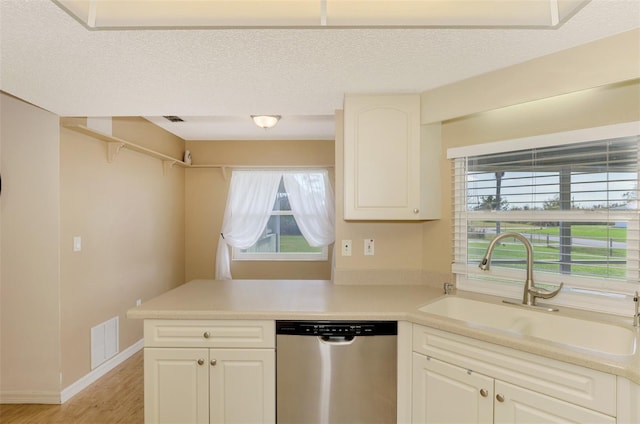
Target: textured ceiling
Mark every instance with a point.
(50, 59)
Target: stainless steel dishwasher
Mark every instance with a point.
(336, 372)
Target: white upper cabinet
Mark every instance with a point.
(391, 162)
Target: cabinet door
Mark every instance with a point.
(517, 405)
(382, 157)
(176, 385)
(444, 393)
(242, 384)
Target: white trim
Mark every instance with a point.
(323, 255)
(100, 371)
(56, 398)
(554, 13)
(30, 396)
(547, 140)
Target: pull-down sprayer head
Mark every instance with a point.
(484, 264)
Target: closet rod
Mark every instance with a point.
(224, 168)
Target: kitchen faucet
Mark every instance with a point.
(531, 292)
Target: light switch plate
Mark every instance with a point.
(369, 247)
(77, 243)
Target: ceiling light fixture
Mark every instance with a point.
(266, 121)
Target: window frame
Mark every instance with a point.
(321, 256)
(579, 292)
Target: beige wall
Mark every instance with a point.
(206, 196)
(131, 220)
(30, 250)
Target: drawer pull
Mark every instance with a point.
(499, 397)
(213, 362)
(484, 392)
(200, 361)
(206, 334)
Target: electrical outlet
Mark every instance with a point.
(346, 247)
(369, 247)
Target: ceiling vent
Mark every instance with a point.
(173, 118)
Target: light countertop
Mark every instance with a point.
(318, 299)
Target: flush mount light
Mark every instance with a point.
(265, 121)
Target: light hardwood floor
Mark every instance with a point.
(115, 398)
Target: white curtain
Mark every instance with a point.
(249, 205)
(311, 200)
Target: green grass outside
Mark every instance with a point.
(588, 231)
(543, 252)
(296, 244)
(577, 230)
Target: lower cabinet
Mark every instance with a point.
(445, 393)
(461, 380)
(208, 384)
(515, 404)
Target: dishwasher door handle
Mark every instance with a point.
(337, 340)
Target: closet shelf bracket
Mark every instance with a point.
(167, 165)
(113, 148)
(115, 145)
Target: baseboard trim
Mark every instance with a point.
(30, 396)
(98, 372)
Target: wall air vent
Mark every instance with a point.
(174, 118)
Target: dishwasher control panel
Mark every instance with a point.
(337, 328)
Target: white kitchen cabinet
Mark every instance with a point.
(462, 380)
(213, 382)
(628, 401)
(515, 405)
(176, 385)
(391, 163)
(443, 393)
(242, 385)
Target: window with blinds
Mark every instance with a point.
(576, 202)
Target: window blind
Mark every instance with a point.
(575, 202)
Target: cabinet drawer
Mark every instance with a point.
(209, 333)
(582, 386)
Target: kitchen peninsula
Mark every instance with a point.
(206, 319)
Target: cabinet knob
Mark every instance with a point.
(499, 397)
(213, 362)
(416, 210)
(484, 392)
(206, 334)
(200, 361)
